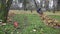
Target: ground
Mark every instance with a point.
(30, 23)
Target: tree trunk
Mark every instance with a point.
(25, 3)
(4, 10)
(9, 2)
(35, 4)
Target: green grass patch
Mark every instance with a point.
(57, 17)
(28, 23)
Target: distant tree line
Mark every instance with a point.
(6, 4)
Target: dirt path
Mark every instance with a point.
(34, 12)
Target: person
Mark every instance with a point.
(39, 11)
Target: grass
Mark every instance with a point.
(57, 17)
(28, 23)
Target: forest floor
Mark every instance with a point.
(34, 12)
(30, 23)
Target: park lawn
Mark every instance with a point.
(28, 23)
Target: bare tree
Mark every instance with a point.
(55, 6)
